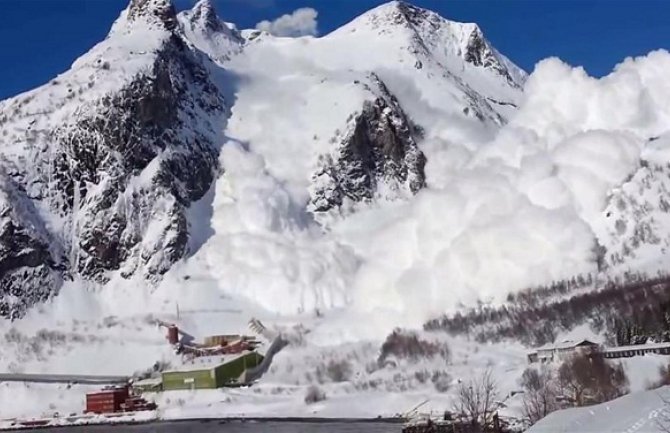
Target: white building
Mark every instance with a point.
(558, 351)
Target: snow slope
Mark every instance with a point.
(639, 412)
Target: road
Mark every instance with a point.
(225, 426)
(64, 378)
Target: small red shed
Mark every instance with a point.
(107, 400)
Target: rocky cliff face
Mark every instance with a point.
(112, 179)
(160, 12)
(479, 52)
(31, 263)
(141, 131)
(377, 156)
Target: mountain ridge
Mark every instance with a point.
(396, 106)
(111, 154)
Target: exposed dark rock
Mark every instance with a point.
(480, 53)
(145, 123)
(29, 272)
(379, 149)
(119, 172)
(161, 10)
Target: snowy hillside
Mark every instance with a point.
(376, 177)
(640, 412)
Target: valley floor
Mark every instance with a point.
(337, 351)
(366, 390)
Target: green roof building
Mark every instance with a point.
(211, 372)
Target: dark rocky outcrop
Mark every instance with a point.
(30, 266)
(480, 53)
(118, 173)
(161, 11)
(146, 123)
(378, 150)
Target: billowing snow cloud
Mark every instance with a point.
(501, 213)
(301, 22)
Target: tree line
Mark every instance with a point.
(630, 311)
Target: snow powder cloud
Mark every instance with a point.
(501, 213)
(301, 22)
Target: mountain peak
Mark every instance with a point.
(396, 13)
(154, 10)
(428, 34)
(409, 12)
(209, 33)
(205, 13)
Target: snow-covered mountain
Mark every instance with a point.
(100, 165)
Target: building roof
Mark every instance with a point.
(649, 346)
(151, 381)
(565, 344)
(206, 362)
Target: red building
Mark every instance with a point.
(107, 400)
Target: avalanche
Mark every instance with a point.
(504, 209)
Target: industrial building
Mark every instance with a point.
(217, 361)
(116, 399)
(210, 372)
(152, 384)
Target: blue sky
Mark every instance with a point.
(41, 38)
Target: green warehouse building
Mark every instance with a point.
(211, 372)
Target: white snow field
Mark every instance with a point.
(520, 172)
(642, 412)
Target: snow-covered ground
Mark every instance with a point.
(643, 412)
(123, 344)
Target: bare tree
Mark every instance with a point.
(314, 394)
(477, 401)
(403, 344)
(574, 378)
(540, 394)
(589, 379)
(339, 370)
(663, 378)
